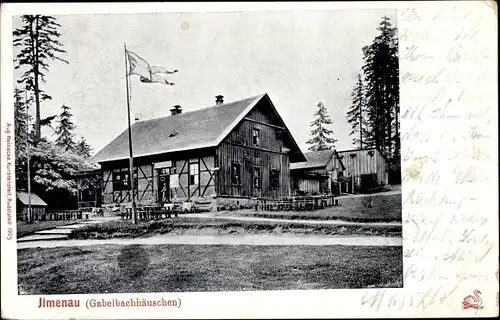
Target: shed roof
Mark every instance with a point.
(35, 199)
(315, 159)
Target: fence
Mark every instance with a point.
(56, 215)
(297, 203)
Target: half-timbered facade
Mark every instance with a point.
(224, 155)
(319, 174)
(89, 185)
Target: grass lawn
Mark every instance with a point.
(25, 229)
(385, 208)
(214, 226)
(170, 268)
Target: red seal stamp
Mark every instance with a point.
(473, 301)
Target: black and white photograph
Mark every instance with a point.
(201, 152)
(249, 160)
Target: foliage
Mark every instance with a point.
(65, 130)
(38, 43)
(381, 73)
(20, 123)
(356, 114)
(21, 119)
(83, 148)
(54, 167)
(321, 139)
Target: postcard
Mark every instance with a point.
(249, 160)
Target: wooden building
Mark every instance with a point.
(318, 175)
(227, 154)
(89, 188)
(38, 206)
(368, 168)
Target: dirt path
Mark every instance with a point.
(61, 232)
(384, 193)
(338, 222)
(229, 240)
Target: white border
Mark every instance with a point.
(329, 303)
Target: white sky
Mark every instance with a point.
(298, 58)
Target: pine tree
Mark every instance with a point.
(356, 114)
(20, 122)
(83, 148)
(381, 72)
(65, 130)
(21, 119)
(321, 140)
(38, 42)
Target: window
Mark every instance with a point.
(194, 171)
(121, 179)
(255, 137)
(167, 171)
(274, 177)
(235, 174)
(256, 177)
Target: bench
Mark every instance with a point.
(65, 215)
(150, 212)
(297, 203)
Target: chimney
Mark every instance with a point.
(176, 110)
(219, 99)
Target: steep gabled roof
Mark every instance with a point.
(186, 131)
(197, 129)
(35, 199)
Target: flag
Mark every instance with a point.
(138, 65)
(147, 73)
(157, 78)
(160, 69)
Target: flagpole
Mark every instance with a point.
(131, 159)
(28, 152)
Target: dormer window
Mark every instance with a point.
(256, 137)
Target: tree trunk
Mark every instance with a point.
(378, 124)
(389, 107)
(361, 125)
(389, 134)
(38, 134)
(398, 140)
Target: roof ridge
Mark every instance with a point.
(331, 150)
(210, 123)
(358, 149)
(212, 106)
